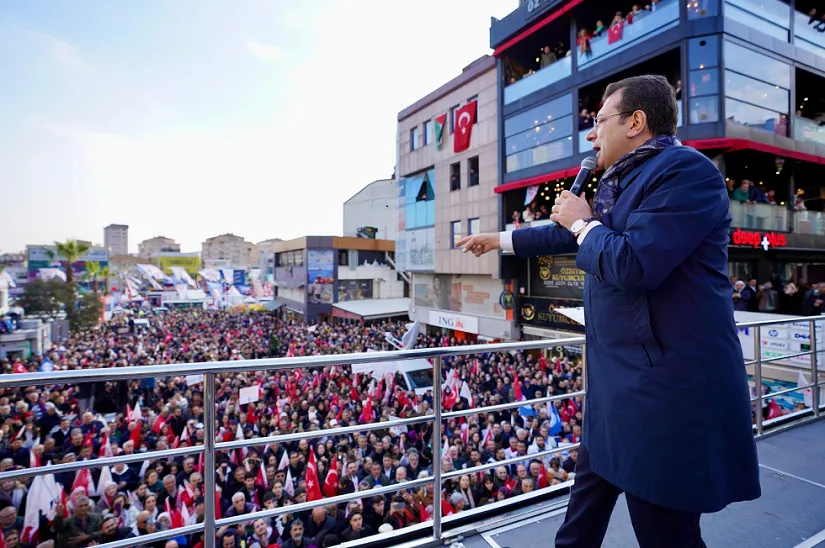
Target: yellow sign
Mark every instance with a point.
(189, 263)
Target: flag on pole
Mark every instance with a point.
(439, 130)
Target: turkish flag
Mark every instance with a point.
(331, 484)
(614, 34)
(465, 117)
(313, 488)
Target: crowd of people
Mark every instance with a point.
(67, 423)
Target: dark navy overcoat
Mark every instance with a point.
(667, 413)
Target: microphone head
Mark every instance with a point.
(590, 163)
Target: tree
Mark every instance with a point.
(87, 313)
(45, 298)
(70, 251)
(93, 273)
(105, 274)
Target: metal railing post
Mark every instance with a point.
(209, 499)
(757, 377)
(814, 371)
(437, 402)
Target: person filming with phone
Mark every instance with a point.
(664, 364)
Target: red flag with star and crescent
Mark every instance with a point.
(465, 117)
(313, 488)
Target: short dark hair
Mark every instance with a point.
(653, 95)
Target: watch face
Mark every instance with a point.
(577, 226)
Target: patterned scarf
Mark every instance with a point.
(608, 191)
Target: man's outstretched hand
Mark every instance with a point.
(479, 244)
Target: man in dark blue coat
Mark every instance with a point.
(668, 412)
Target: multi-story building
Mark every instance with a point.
(116, 239)
(149, 247)
(266, 258)
(320, 277)
(748, 78)
(373, 211)
(228, 251)
(447, 171)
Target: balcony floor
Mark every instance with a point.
(790, 513)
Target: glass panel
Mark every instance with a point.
(759, 216)
(808, 130)
(755, 92)
(410, 215)
(809, 222)
(757, 65)
(755, 117)
(679, 108)
(703, 52)
(807, 33)
(540, 155)
(542, 134)
(429, 136)
(585, 146)
(697, 9)
(540, 80)
(704, 109)
(429, 213)
(756, 23)
(420, 214)
(775, 11)
(475, 227)
(703, 82)
(647, 24)
(550, 110)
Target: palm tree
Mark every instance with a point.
(71, 251)
(93, 273)
(105, 274)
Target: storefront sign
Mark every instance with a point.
(506, 300)
(458, 322)
(752, 238)
(556, 277)
(541, 313)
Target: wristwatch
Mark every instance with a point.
(578, 226)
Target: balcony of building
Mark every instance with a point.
(530, 206)
(538, 61)
(773, 194)
(607, 27)
(666, 64)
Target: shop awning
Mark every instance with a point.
(373, 309)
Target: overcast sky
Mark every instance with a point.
(193, 118)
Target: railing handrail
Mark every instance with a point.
(267, 364)
(209, 448)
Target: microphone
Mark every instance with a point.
(589, 165)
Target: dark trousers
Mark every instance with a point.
(591, 504)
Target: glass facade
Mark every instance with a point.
(699, 9)
(541, 79)
(620, 35)
(756, 89)
(419, 203)
(771, 17)
(809, 31)
(540, 135)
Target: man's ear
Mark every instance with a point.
(636, 124)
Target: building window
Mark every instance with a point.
(474, 227)
(414, 143)
(703, 80)
(453, 110)
(470, 100)
(455, 177)
(455, 233)
(429, 136)
(472, 171)
(343, 257)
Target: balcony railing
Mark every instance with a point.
(809, 222)
(809, 130)
(759, 216)
(210, 447)
(540, 80)
(645, 25)
(541, 222)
